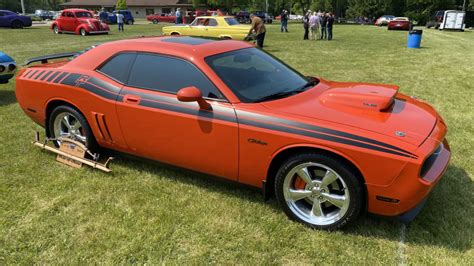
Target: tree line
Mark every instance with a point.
(419, 10)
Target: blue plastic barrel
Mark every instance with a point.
(414, 38)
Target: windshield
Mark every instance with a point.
(231, 21)
(83, 15)
(255, 76)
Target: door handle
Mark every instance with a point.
(132, 99)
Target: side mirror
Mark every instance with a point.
(193, 94)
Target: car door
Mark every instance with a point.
(3, 19)
(158, 126)
(68, 22)
(211, 29)
(198, 27)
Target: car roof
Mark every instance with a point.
(215, 17)
(179, 46)
(401, 18)
(76, 10)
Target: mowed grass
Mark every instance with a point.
(145, 212)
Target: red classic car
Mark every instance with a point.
(327, 150)
(78, 21)
(156, 18)
(400, 23)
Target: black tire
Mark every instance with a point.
(83, 32)
(16, 24)
(353, 184)
(155, 21)
(56, 29)
(174, 34)
(130, 22)
(91, 143)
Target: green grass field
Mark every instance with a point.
(145, 212)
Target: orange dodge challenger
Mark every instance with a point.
(327, 150)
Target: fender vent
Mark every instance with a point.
(104, 133)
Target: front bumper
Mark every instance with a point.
(405, 195)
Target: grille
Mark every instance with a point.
(430, 161)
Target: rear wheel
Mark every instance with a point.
(83, 32)
(16, 24)
(130, 22)
(67, 122)
(319, 191)
(155, 21)
(174, 34)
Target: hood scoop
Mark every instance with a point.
(363, 96)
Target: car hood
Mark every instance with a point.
(377, 108)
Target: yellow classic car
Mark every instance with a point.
(223, 27)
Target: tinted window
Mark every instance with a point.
(167, 74)
(117, 68)
(254, 75)
(83, 15)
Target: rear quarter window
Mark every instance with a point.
(118, 67)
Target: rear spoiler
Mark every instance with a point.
(44, 59)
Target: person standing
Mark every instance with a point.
(259, 27)
(330, 22)
(314, 22)
(103, 17)
(179, 16)
(324, 21)
(306, 25)
(284, 21)
(120, 18)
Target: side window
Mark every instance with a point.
(212, 22)
(70, 14)
(118, 67)
(167, 74)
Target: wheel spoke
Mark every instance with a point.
(317, 209)
(304, 174)
(296, 195)
(66, 122)
(81, 138)
(336, 200)
(328, 178)
(75, 125)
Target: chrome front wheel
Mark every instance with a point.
(319, 190)
(316, 193)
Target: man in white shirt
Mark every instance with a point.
(120, 18)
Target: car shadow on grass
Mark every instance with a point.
(7, 97)
(435, 225)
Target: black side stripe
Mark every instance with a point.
(319, 129)
(320, 136)
(111, 92)
(39, 74)
(47, 74)
(53, 76)
(31, 74)
(60, 77)
(197, 112)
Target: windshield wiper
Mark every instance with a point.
(277, 95)
(283, 94)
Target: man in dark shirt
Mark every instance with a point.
(259, 27)
(324, 21)
(330, 22)
(306, 25)
(284, 21)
